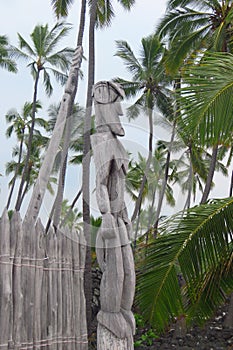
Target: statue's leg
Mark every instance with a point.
(128, 286)
(112, 281)
(111, 289)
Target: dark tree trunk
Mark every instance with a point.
(56, 212)
(65, 108)
(164, 183)
(16, 171)
(148, 162)
(26, 166)
(86, 165)
(210, 175)
(231, 185)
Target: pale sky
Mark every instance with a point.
(22, 15)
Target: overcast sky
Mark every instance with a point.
(22, 16)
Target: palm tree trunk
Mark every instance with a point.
(148, 162)
(47, 165)
(164, 183)
(71, 207)
(86, 165)
(16, 171)
(210, 175)
(64, 156)
(231, 185)
(190, 182)
(30, 140)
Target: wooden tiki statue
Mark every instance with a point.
(114, 253)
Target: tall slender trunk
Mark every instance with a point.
(148, 163)
(47, 165)
(86, 165)
(231, 185)
(56, 212)
(210, 175)
(26, 166)
(64, 110)
(190, 178)
(71, 207)
(16, 171)
(165, 180)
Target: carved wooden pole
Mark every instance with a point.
(47, 165)
(116, 324)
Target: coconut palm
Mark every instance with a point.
(207, 105)
(42, 59)
(150, 82)
(196, 245)
(190, 26)
(5, 60)
(16, 167)
(20, 124)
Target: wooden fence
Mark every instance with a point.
(42, 302)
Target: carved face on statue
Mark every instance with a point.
(107, 97)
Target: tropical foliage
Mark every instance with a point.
(197, 246)
(190, 26)
(5, 61)
(183, 72)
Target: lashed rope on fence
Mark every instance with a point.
(42, 302)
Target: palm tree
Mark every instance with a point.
(42, 59)
(16, 167)
(190, 28)
(5, 61)
(20, 124)
(206, 104)
(196, 245)
(151, 82)
(153, 183)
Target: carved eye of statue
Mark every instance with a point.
(105, 92)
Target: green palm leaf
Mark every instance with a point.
(125, 52)
(57, 33)
(61, 7)
(206, 102)
(199, 245)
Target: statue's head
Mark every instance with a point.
(106, 92)
(107, 97)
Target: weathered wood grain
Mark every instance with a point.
(42, 302)
(6, 282)
(116, 324)
(108, 341)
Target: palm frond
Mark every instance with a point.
(125, 52)
(206, 100)
(105, 13)
(23, 44)
(61, 59)
(38, 36)
(53, 37)
(59, 76)
(197, 244)
(47, 83)
(131, 88)
(61, 7)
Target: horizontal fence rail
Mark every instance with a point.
(42, 302)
